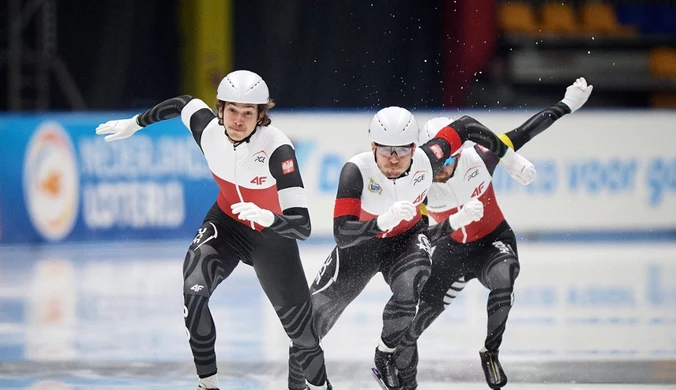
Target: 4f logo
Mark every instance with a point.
(258, 180)
(420, 197)
(479, 189)
(197, 288)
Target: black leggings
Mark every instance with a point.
(405, 264)
(493, 260)
(219, 245)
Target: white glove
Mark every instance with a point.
(119, 129)
(250, 212)
(400, 211)
(518, 167)
(472, 211)
(577, 94)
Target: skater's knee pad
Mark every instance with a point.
(501, 272)
(196, 284)
(199, 271)
(407, 285)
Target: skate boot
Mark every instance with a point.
(326, 386)
(495, 376)
(385, 371)
(202, 386)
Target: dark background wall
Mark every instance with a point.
(363, 54)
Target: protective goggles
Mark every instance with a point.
(400, 151)
(450, 160)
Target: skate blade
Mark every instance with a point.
(496, 383)
(379, 379)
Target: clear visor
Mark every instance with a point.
(400, 151)
(449, 161)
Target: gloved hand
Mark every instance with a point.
(250, 212)
(119, 129)
(400, 211)
(470, 212)
(518, 167)
(577, 94)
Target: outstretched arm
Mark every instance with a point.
(450, 138)
(195, 114)
(167, 109)
(576, 96)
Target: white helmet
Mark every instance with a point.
(432, 127)
(243, 86)
(393, 126)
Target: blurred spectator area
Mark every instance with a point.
(626, 48)
(126, 54)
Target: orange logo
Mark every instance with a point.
(51, 181)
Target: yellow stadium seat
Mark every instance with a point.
(600, 18)
(559, 19)
(663, 62)
(517, 17)
(663, 100)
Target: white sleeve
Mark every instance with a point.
(192, 107)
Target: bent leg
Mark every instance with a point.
(406, 277)
(499, 274)
(340, 280)
(203, 269)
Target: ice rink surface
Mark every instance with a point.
(109, 316)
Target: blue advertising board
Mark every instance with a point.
(61, 182)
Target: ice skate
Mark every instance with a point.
(326, 386)
(385, 372)
(202, 386)
(495, 376)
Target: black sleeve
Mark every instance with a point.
(437, 150)
(525, 132)
(168, 109)
(172, 108)
(536, 125)
(347, 229)
(295, 221)
(470, 129)
(489, 158)
(451, 137)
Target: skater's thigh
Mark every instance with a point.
(346, 272)
(340, 280)
(408, 265)
(449, 263)
(276, 261)
(208, 261)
